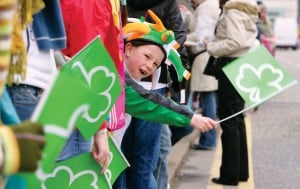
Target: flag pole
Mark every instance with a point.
(256, 104)
(233, 115)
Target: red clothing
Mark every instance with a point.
(84, 20)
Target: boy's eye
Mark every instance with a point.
(156, 64)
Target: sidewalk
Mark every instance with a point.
(185, 171)
(178, 154)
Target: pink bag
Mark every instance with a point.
(268, 43)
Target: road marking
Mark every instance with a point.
(216, 165)
(218, 156)
(250, 183)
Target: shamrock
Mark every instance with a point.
(264, 79)
(67, 179)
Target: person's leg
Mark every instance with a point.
(8, 112)
(244, 166)
(127, 146)
(120, 183)
(161, 171)
(243, 171)
(140, 146)
(230, 153)
(25, 99)
(207, 140)
(230, 147)
(190, 100)
(229, 103)
(209, 104)
(235, 152)
(75, 145)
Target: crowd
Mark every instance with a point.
(150, 42)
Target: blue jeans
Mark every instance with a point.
(75, 145)
(8, 112)
(209, 108)
(140, 146)
(161, 171)
(25, 99)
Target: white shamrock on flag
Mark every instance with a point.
(70, 178)
(268, 76)
(106, 92)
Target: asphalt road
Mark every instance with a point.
(276, 133)
(274, 140)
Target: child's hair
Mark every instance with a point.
(141, 42)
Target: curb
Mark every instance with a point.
(178, 154)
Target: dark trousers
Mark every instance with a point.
(234, 165)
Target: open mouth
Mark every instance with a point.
(143, 72)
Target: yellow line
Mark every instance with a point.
(216, 165)
(218, 156)
(250, 183)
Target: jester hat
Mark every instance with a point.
(158, 34)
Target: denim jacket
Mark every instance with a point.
(48, 27)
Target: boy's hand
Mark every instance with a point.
(203, 124)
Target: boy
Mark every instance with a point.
(147, 46)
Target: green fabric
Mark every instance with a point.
(145, 109)
(30, 148)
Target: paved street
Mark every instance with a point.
(276, 134)
(274, 139)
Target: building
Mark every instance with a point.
(285, 8)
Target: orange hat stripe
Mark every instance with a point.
(158, 23)
(136, 27)
(135, 36)
(176, 45)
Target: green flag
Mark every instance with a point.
(79, 172)
(75, 173)
(117, 162)
(66, 101)
(257, 76)
(94, 67)
(81, 95)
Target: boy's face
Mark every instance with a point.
(142, 61)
